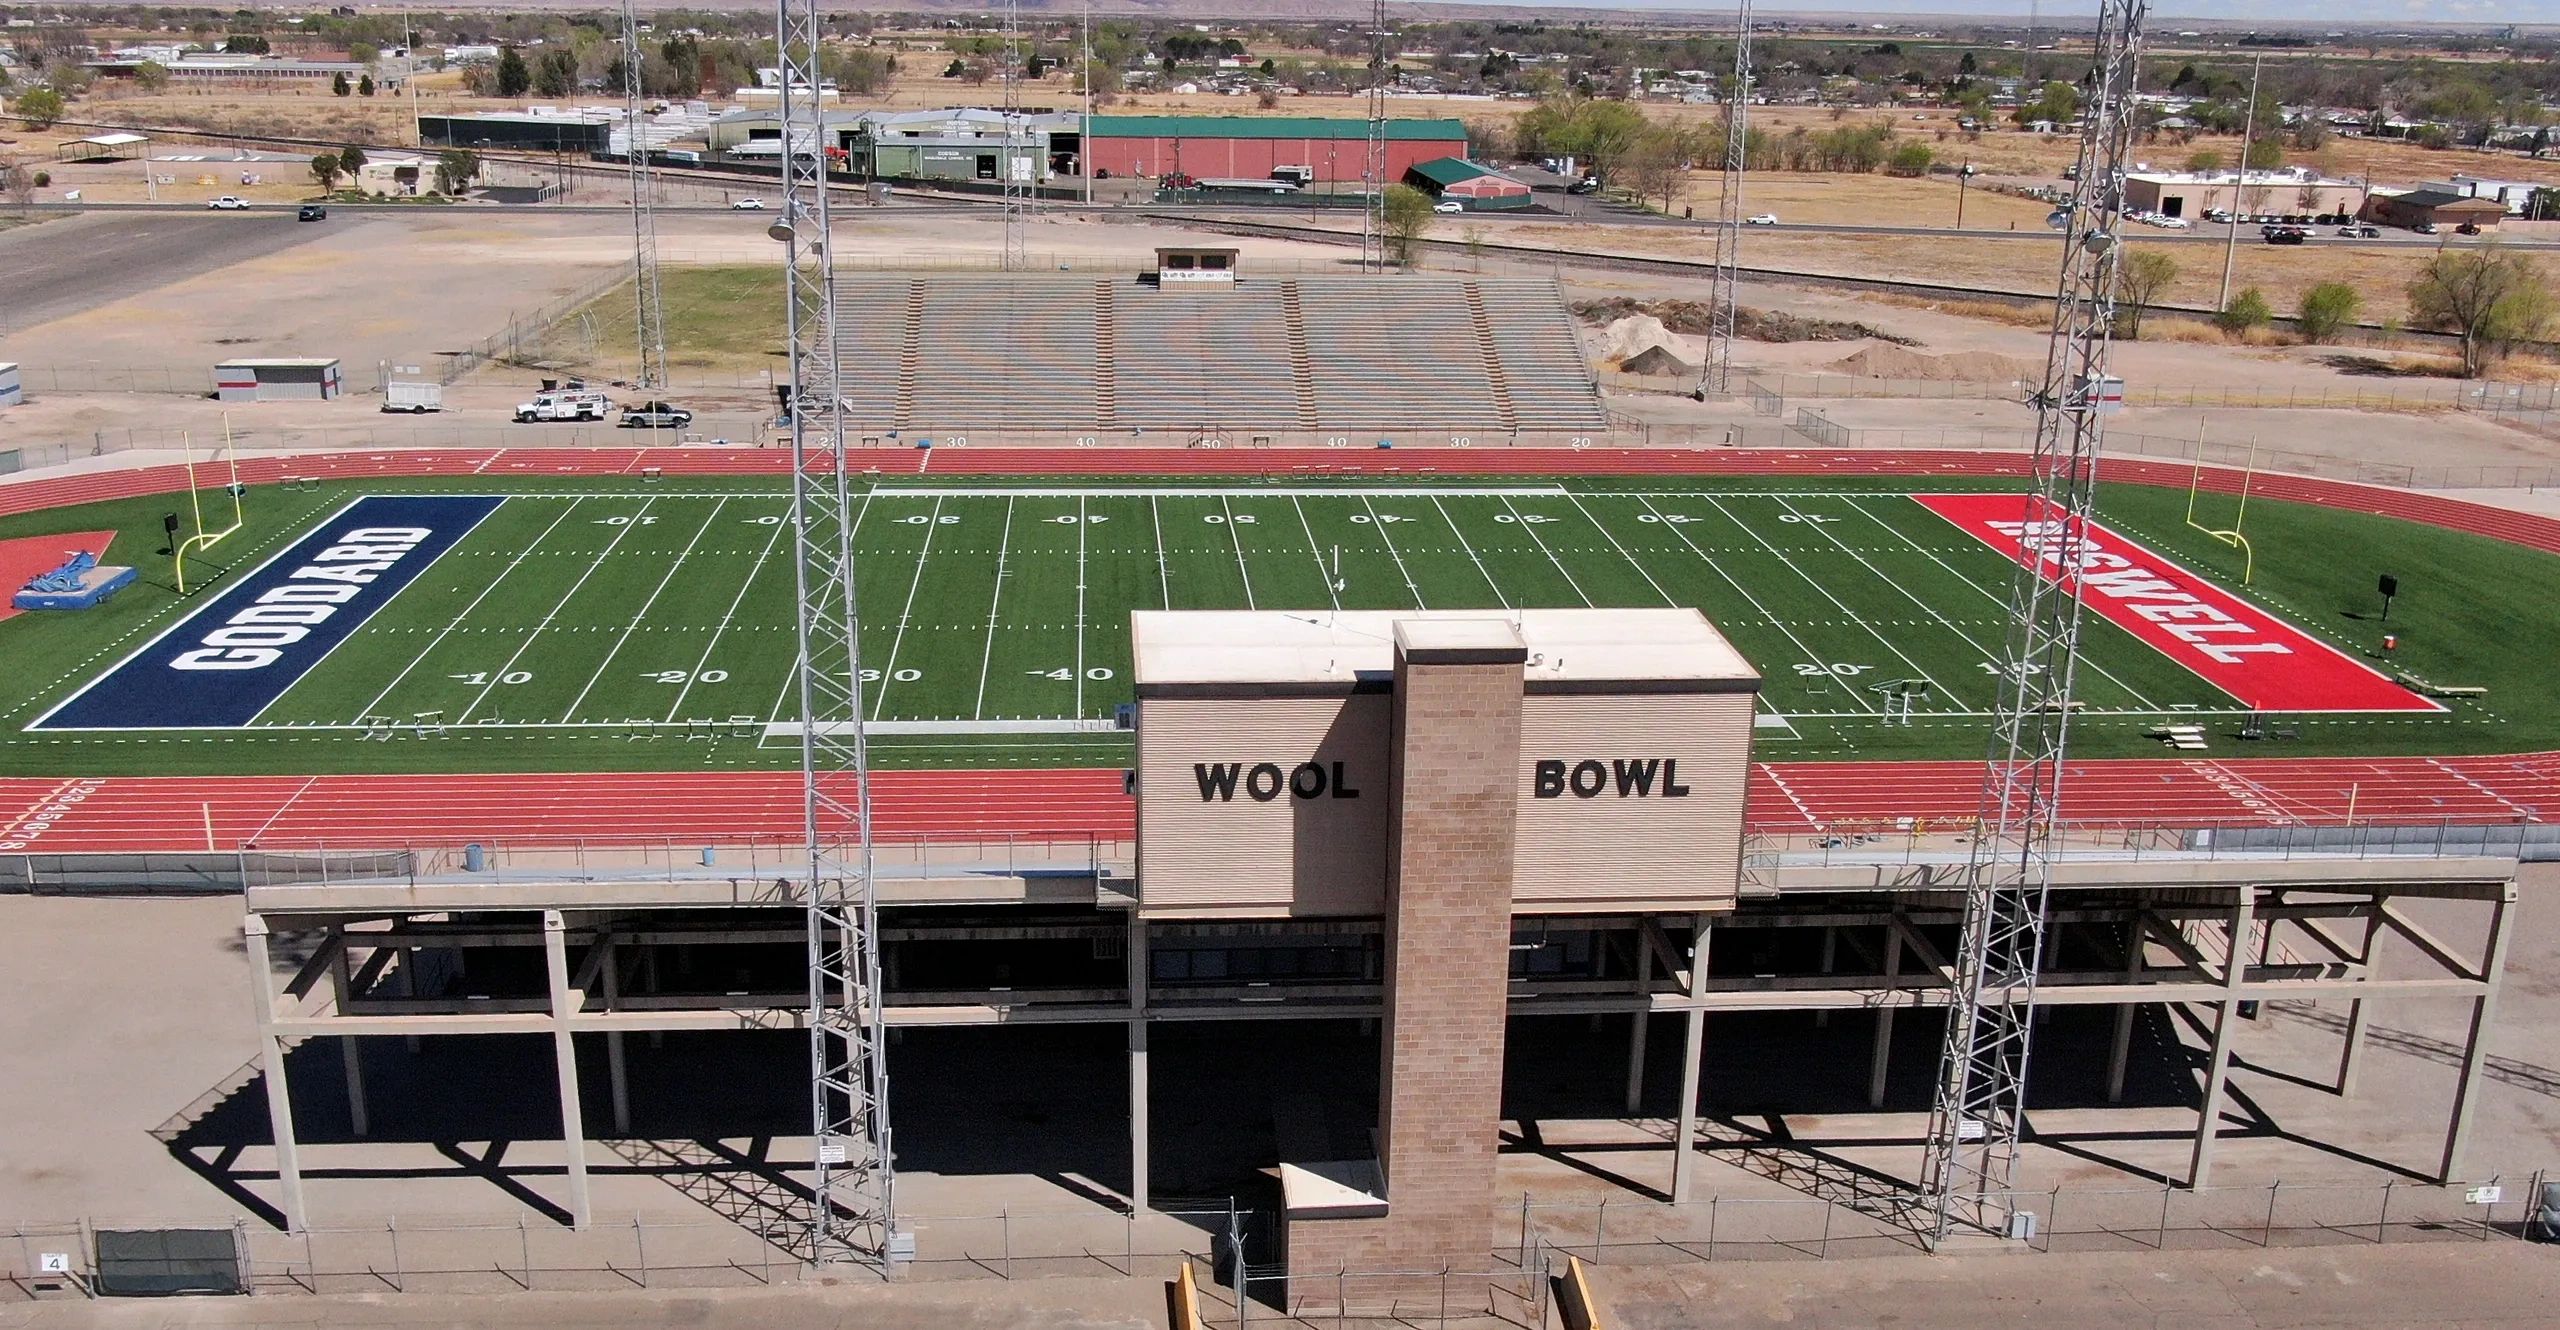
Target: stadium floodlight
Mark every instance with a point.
(780, 231)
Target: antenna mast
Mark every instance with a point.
(649, 314)
(1373, 214)
(850, 1177)
(1725, 288)
(1019, 195)
(1979, 1115)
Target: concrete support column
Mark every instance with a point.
(1139, 1184)
(564, 1049)
(350, 1053)
(1830, 962)
(2351, 1052)
(271, 1051)
(2484, 1009)
(1684, 1135)
(1881, 1056)
(2226, 1020)
(1642, 1023)
(2136, 937)
(616, 1068)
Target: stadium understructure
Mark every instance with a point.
(1116, 356)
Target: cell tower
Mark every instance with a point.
(850, 1176)
(1019, 191)
(1726, 286)
(1373, 176)
(649, 316)
(1975, 1125)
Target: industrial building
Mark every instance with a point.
(278, 379)
(2192, 194)
(539, 129)
(1477, 187)
(1251, 147)
(2439, 208)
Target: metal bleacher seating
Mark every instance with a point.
(952, 352)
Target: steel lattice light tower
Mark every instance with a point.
(848, 1081)
(1975, 1125)
(1724, 291)
(649, 315)
(1018, 189)
(1373, 215)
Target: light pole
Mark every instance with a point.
(1964, 177)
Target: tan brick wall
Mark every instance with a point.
(1455, 748)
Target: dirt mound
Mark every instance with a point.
(1754, 325)
(1626, 340)
(1894, 362)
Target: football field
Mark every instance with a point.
(995, 616)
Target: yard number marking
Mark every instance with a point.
(480, 679)
(1062, 674)
(1842, 669)
(686, 676)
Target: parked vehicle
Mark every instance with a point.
(312, 212)
(2424, 228)
(1586, 185)
(2467, 229)
(229, 203)
(1448, 205)
(564, 404)
(412, 397)
(656, 415)
(2361, 232)
(2287, 235)
(1301, 176)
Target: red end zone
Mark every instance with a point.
(2263, 661)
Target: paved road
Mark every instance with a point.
(70, 264)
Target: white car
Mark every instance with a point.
(746, 205)
(1761, 219)
(2172, 223)
(229, 203)
(1448, 205)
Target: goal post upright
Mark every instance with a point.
(850, 1218)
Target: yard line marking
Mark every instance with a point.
(1896, 584)
(1209, 491)
(791, 677)
(1316, 551)
(420, 658)
(1164, 574)
(1532, 529)
(1994, 597)
(1486, 573)
(1237, 540)
(1390, 543)
(500, 673)
(889, 667)
(1729, 580)
(986, 662)
(1612, 538)
(1845, 612)
(1082, 525)
(726, 616)
(1802, 809)
(643, 612)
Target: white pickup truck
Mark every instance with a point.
(564, 406)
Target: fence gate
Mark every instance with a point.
(156, 1262)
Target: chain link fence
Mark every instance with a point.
(54, 1259)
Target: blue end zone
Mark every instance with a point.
(232, 658)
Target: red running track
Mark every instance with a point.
(172, 813)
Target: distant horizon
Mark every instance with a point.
(2285, 12)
